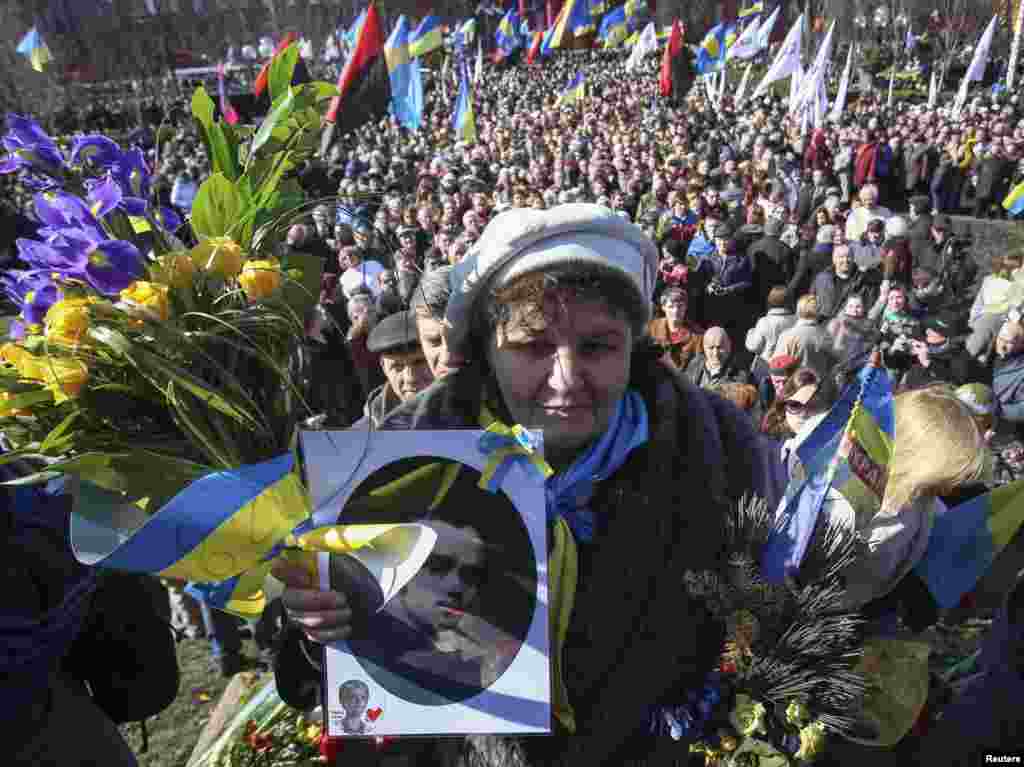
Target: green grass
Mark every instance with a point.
(173, 734)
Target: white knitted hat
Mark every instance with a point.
(524, 240)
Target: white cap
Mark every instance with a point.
(523, 240)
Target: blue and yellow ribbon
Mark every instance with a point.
(223, 532)
(505, 446)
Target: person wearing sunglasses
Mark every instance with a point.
(806, 394)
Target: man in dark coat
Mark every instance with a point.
(993, 181)
(717, 363)
(920, 231)
(812, 195)
(772, 260)
(941, 357)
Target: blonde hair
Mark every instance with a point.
(937, 447)
(807, 307)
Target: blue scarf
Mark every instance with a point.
(569, 492)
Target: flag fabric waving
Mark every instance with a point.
(976, 70)
(712, 49)
(646, 43)
(463, 121)
(672, 49)
(839, 106)
(427, 37)
(787, 61)
(1014, 202)
(752, 11)
(35, 50)
(849, 451)
(396, 54)
(765, 32)
(747, 45)
(538, 38)
(575, 15)
(507, 37)
(613, 27)
(966, 539)
(364, 84)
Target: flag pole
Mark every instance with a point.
(1011, 70)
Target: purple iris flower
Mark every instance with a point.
(60, 211)
(168, 219)
(132, 173)
(33, 291)
(106, 195)
(111, 266)
(96, 150)
(29, 147)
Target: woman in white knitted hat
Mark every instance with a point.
(551, 308)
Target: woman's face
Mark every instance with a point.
(855, 308)
(800, 407)
(897, 301)
(565, 372)
(675, 309)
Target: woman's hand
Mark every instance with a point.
(324, 616)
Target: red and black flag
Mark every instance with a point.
(672, 49)
(364, 85)
(300, 74)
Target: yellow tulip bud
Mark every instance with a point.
(64, 376)
(175, 269)
(30, 367)
(149, 296)
(67, 321)
(218, 255)
(260, 279)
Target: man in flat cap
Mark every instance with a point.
(403, 362)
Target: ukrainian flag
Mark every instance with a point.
(966, 539)
(849, 450)
(753, 10)
(396, 54)
(33, 47)
(463, 121)
(426, 37)
(575, 15)
(574, 92)
(613, 27)
(597, 7)
(712, 49)
(1014, 202)
(507, 37)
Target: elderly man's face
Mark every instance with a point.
(868, 197)
(842, 261)
(717, 349)
(407, 372)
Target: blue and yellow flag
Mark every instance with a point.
(849, 451)
(463, 121)
(613, 27)
(507, 37)
(573, 92)
(712, 49)
(574, 18)
(426, 37)
(1014, 202)
(966, 540)
(34, 49)
(396, 54)
(752, 10)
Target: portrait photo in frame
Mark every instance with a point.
(450, 619)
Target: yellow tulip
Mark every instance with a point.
(67, 321)
(218, 255)
(260, 279)
(64, 377)
(11, 353)
(151, 296)
(30, 366)
(175, 269)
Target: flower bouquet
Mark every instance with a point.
(168, 381)
(788, 673)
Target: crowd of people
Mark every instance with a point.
(704, 253)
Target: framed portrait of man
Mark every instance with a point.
(457, 641)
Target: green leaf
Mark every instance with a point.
(58, 432)
(277, 115)
(216, 208)
(224, 156)
(281, 70)
(26, 399)
(202, 107)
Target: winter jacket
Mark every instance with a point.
(680, 347)
(832, 291)
(772, 261)
(808, 341)
(635, 637)
(761, 338)
(1008, 387)
(735, 370)
(812, 262)
(951, 366)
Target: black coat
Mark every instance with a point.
(920, 236)
(993, 178)
(773, 265)
(635, 637)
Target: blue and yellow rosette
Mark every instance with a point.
(223, 533)
(506, 446)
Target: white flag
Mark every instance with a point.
(844, 86)
(747, 44)
(647, 43)
(764, 33)
(816, 74)
(788, 59)
(795, 81)
(479, 62)
(977, 68)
